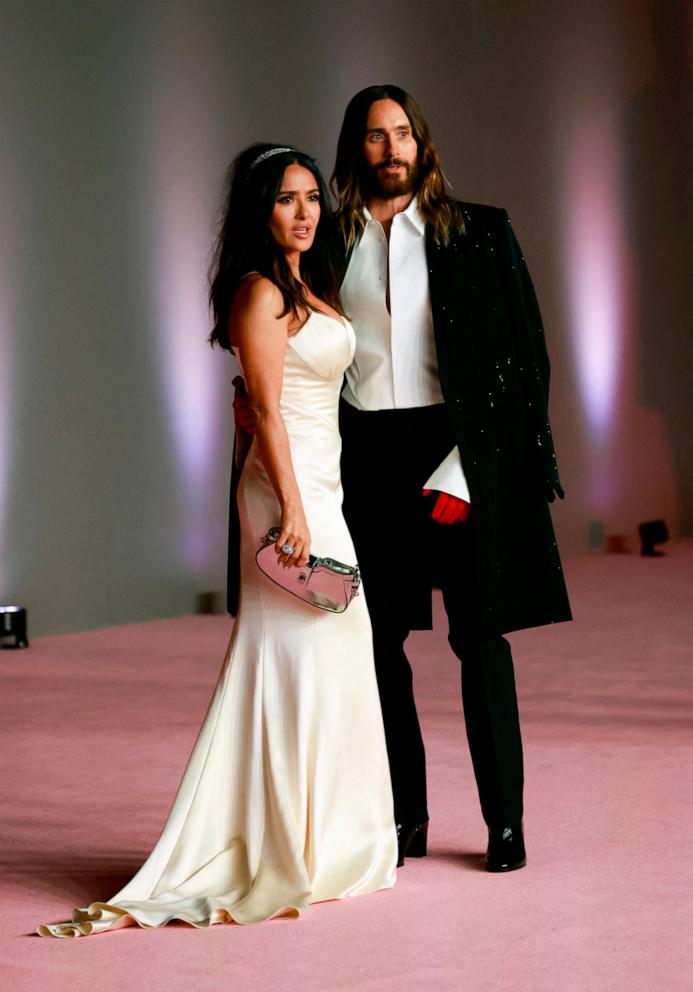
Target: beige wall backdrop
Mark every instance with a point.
(118, 121)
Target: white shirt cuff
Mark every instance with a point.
(449, 477)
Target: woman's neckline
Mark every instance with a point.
(319, 313)
(341, 321)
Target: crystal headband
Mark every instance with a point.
(268, 154)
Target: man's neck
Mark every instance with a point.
(384, 210)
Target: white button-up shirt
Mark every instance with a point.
(395, 364)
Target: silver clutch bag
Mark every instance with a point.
(323, 582)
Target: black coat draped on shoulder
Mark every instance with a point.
(494, 375)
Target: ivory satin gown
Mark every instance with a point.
(286, 799)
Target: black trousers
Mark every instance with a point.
(387, 457)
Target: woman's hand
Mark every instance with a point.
(294, 534)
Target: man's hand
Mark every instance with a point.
(448, 509)
(242, 414)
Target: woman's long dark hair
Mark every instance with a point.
(245, 244)
(439, 210)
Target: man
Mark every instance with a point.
(447, 461)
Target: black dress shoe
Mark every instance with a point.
(411, 841)
(506, 848)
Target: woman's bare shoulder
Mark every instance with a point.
(257, 294)
(257, 303)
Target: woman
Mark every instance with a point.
(286, 798)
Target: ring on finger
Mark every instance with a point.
(287, 549)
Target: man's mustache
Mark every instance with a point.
(392, 162)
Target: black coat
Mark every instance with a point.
(494, 374)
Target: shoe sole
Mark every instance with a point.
(496, 869)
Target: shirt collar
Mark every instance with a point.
(412, 214)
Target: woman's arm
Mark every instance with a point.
(260, 340)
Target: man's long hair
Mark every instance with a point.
(244, 243)
(438, 210)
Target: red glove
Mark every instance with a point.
(449, 509)
(242, 414)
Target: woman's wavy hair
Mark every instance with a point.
(245, 244)
(439, 210)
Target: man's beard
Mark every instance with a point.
(389, 187)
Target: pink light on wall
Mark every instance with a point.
(188, 366)
(603, 58)
(609, 59)
(181, 249)
(183, 183)
(594, 263)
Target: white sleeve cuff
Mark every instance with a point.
(449, 477)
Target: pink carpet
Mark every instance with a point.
(97, 727)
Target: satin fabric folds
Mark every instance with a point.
(286, 799)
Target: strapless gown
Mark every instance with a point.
(286, 799)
